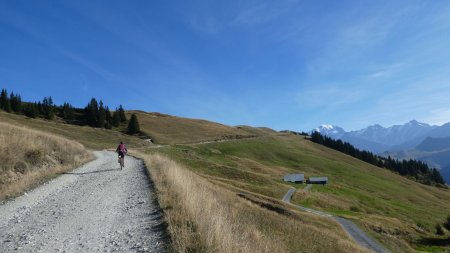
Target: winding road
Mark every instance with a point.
(351, 228)
(97, 207)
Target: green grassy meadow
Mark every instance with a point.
(397, 211)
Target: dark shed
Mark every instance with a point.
(317, 180)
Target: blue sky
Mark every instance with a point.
(282, 64)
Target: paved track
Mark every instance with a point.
(352, 230)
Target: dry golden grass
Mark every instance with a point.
(259, 131)
(90, 137)
(166, 129)
(207, 216)
(29, 156)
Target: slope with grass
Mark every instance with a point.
(93, 138)
(29, 157)
(206, 202)
(207, 216)
(247, 170)
(166, 129)
(399, 212)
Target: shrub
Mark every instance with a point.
(447, 223)
(34, 156)
(439, 230)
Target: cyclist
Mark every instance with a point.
(122, 150)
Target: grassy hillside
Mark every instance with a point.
(258, 131)
(397, 211)
(208, 216)
(166, 129)
(28, 157)
(90, 137)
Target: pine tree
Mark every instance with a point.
(16, 102)
(8, 106)
(12, 100)
(40, 108)
(123, 117)
(115, 119)
(437, 177)
(68, 113)
(108, 114)
(101, 116)
(31, 110)
(108, 124)
(91, 113)
(133, 125)
(47, 106)
(3, 99)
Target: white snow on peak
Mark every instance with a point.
(328, 127)
(330, 130)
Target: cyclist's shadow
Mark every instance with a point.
(90, 172)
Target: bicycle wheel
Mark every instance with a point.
(121, 163)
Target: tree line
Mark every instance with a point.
(95, 114)
(410, 168)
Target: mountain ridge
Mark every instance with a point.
(412, 140)
(378, 139)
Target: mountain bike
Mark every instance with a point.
(121, 162)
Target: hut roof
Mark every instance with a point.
(294, 177)
(316, 179)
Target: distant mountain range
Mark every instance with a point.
(415, 140)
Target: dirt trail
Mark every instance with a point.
(97, 207)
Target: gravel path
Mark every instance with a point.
(351, 228)
(95, 208)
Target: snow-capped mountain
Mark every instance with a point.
(334, 132)
(415, 140)
(395, 135)
(377, 138)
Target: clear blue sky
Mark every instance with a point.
(282, 64)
